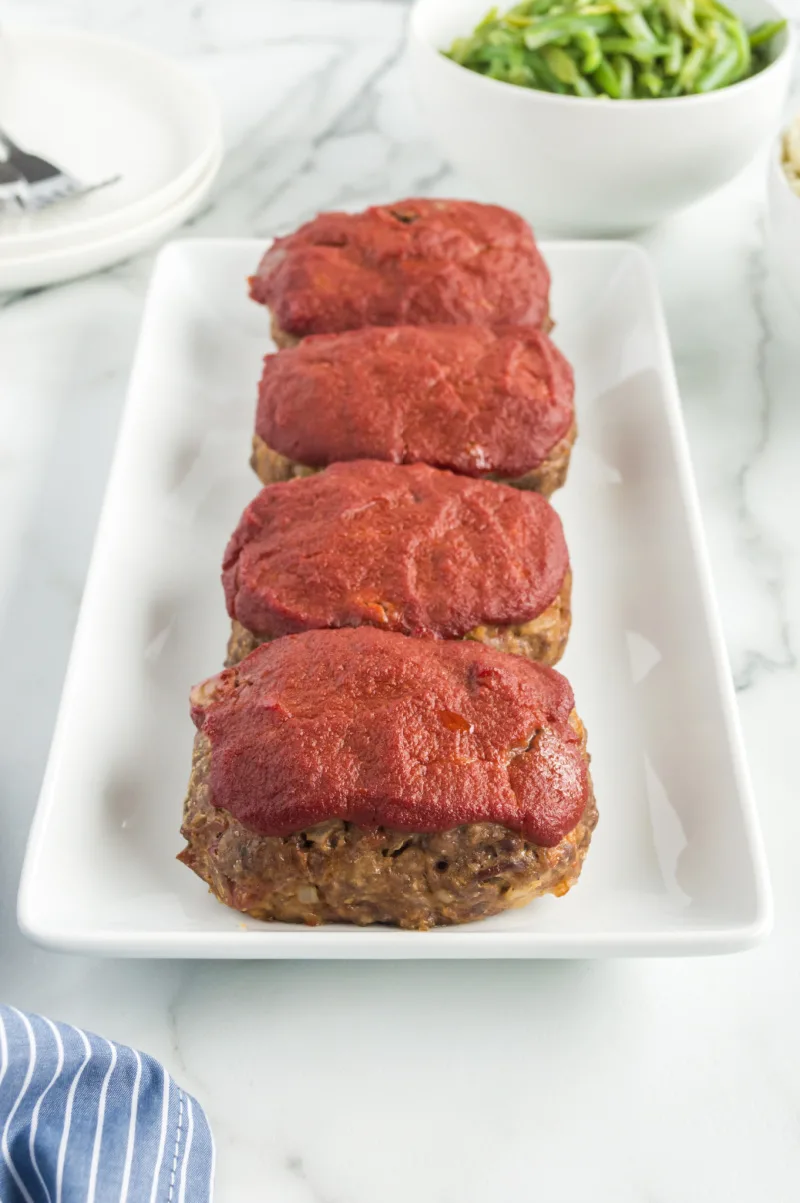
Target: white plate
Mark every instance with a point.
(676, 865)
(102, 107)
(66, 263)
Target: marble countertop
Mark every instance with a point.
(620, 1082)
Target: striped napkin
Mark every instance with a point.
(84, 1120)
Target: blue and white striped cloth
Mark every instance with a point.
(84, 1120)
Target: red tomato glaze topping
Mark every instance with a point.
(410, 549)
(411, 263)
(379, 730)
(477, 401)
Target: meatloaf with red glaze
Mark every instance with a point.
(358, 776)
(408, 549)
(406, 264)
(497, 404)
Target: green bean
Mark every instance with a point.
(720, 71)
(766, 32)
(607, 80)
(460, 50)
(683, 17)
(637, 28)
(692, 66)
(616, 48)
(544, 71)
(518, 70)
(658, 24)
(652, 83)
(716, 38)
(645, 52)
(534, 8)
(588, 42)
(492, 15)
(562, 66)
(674, 59)
(740, 39)
(566, 69)
(584, 88)
(714, 8)
(624, 71)
(555, 27)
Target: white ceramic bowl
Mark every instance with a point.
(784, 224)
(585, 166)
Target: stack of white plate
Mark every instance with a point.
(101, 108)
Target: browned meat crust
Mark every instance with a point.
(281, 338)
(551, 473)
(270, 467)
(544, 638)
(336, 872)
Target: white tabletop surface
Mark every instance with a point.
(616, 1082)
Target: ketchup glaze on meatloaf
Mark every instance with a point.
(410, 263)
(409, 549)
(478, 401)
(378, 730)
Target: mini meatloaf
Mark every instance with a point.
(407, 549)
(407, 264)
(358, 776)
(497, 404)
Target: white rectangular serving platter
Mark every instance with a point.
(676, 865)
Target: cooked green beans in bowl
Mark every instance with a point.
(619, 49)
